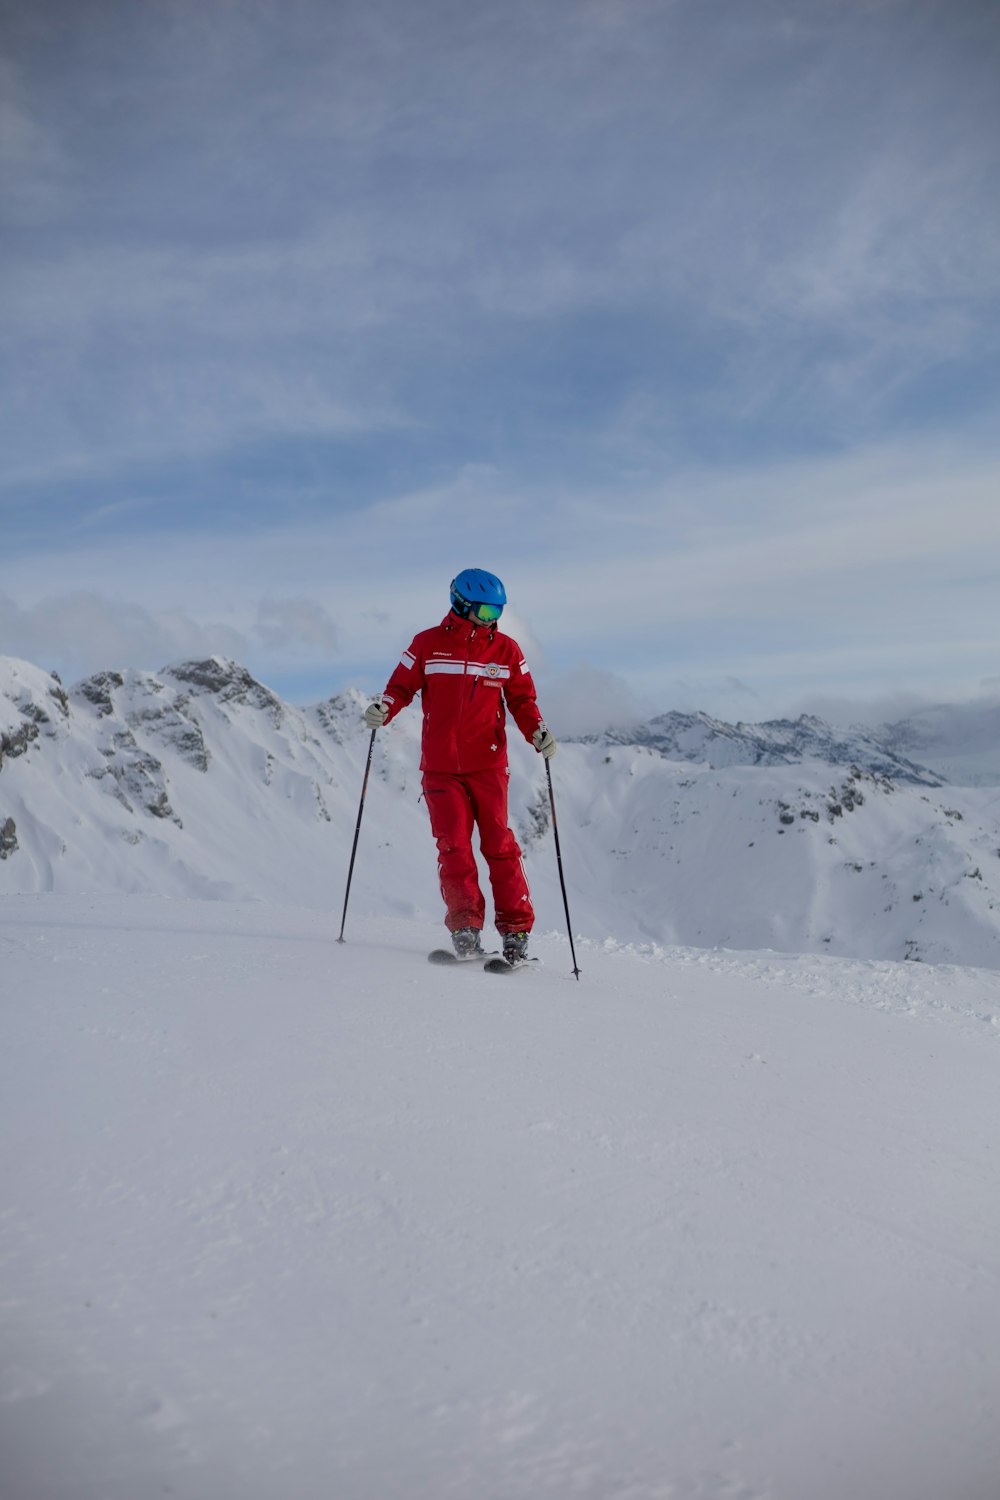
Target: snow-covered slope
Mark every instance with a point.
(809, 859)
(284, 1218)
(197, 780)
(193, 781)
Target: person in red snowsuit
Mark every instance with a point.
(468, 674)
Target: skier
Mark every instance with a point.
(465, 669)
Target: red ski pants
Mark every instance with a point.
(455, 803)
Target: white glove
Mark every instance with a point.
(376, 714)
(544, 741)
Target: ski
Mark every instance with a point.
(503, 966)
(446, 956)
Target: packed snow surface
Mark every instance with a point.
(283, 1217)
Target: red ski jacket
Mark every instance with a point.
(465, 673)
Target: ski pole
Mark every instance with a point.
(357, 830)
(555, 830)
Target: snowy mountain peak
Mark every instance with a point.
(699, 738)
(199, 781)
(227, 681)
(31, 703)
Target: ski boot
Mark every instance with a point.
(467, 942)
(515, 947)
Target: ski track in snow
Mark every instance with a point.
(284, 1217)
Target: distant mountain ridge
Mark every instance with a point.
(198, 780)
(960, 741)
(778, 742)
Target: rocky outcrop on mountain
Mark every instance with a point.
(138, 776)
(338, 716)
(228, 682)
(26, 717)
(59, 695)
(128, 739)
(172, 727)
(99, 691)
(700, 738)
(14, 742)
(8, 838)
(158, 711)
(830, 805)
(534, 823)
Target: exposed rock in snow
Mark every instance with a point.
(15, 742)
(228, 682)
(99, 689)
(27, 696)
(338, 717)
(172, 726)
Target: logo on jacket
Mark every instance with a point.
(494, 671)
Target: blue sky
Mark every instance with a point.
(682, 316)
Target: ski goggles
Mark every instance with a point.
(487, 613)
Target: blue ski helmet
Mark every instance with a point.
(477, 595)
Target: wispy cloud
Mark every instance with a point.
(881, 562)
(365, 203)
(586, 700)
(684, 320)
(969, 724)
(82, 631)
(289, 625)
